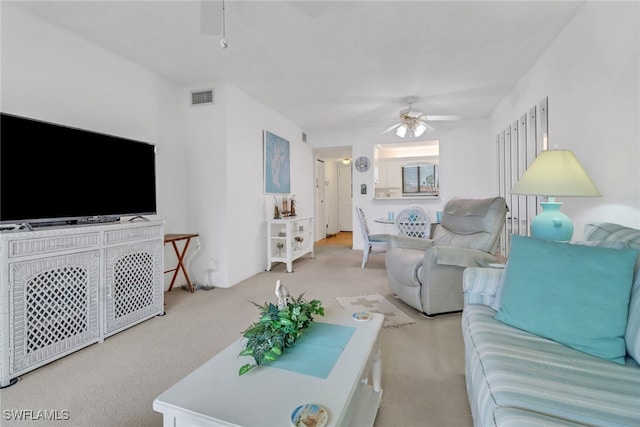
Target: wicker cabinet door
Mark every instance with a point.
(133, 284)
(53, 308)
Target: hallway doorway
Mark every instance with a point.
(345, 197)
(334, 204)
(321, 206)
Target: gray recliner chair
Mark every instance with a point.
(427, 273)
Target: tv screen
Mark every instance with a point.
(52, 174)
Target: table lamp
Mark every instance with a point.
(554, 173)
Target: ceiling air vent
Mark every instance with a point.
(200, 97)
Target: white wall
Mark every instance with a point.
(467, 167)
(209, 158)
(50, 74)
(225, 192)
(591, 75)
(247, 206)
(204, 171)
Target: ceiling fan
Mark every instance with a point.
(413, 121)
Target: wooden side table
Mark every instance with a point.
(174, 238)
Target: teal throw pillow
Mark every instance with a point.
(601, 243)
(575, 295)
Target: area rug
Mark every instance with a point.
(376, 303)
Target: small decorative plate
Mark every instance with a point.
(309, 415)
(362, 316)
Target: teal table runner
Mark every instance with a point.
(317, 351)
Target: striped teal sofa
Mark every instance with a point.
(516, 378)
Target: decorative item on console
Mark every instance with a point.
(293, 205)
(285, 207)
(279, 327)
(276, 210)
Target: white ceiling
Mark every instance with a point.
(330, 65)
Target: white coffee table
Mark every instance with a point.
(215, 395)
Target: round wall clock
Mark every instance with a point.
(362, 164)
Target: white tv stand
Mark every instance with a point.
(64, 288)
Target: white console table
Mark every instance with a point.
(64, 288)
(282, 245)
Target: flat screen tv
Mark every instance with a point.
(53, 174)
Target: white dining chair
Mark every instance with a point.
(372, 242)
(413, 221)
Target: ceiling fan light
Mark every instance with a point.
(401, 131)
(419, 130)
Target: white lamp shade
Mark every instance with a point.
(556, 173)
(401, 131)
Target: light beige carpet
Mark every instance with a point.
(376, 303)
(114, 383)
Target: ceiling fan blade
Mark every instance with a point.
(392, 128)
(429, 127)
(441, 118)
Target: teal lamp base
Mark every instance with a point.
(551, 224)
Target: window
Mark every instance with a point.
(420, 179)
(389, 161)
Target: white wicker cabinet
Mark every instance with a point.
(133, 282)
(62, 289)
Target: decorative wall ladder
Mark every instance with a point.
(517, 146)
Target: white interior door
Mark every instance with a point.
(345, 213)
(321, 213)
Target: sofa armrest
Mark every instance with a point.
(482, 286)
(398, 241)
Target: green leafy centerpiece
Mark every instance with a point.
(279, 327)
